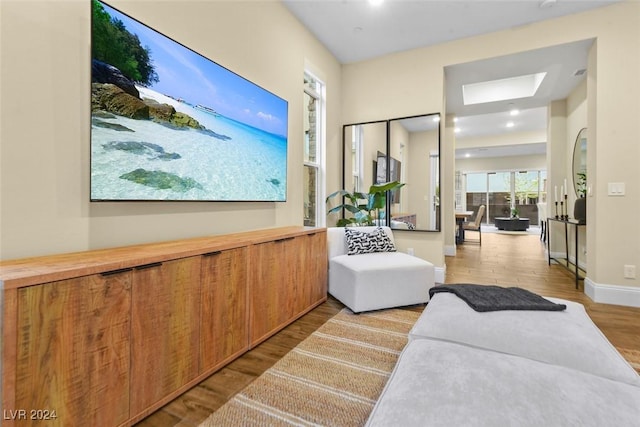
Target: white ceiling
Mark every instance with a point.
(561, 63)
(354, 30)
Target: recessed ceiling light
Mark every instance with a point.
(436, 119)
(510, 124)
(503, 89)
(455, 120)
(375, 2)
(514, 112)
(468, 155)
(456, 130)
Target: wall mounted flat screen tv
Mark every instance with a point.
(169, 124)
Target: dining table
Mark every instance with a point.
(461, 217)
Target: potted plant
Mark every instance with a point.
(365, 207)
(581, 184)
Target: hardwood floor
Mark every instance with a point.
(506, 260)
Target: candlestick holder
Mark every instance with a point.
(557, 210)
(561, 210)
(566, 209)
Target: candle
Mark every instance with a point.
(565, 186)
(555, 194)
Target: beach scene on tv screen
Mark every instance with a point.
(170, 124)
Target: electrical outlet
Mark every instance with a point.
(629, 271)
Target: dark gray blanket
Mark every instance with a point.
(494, 298)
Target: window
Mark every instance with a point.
(313, 179)
(500, 191)
(356, 157)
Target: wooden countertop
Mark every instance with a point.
(31, 271)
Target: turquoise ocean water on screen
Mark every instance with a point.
(231, 161)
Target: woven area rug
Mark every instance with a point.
(332, 378)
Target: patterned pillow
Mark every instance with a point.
(362, 242)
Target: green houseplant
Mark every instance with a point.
(581, 184)
(365, 207)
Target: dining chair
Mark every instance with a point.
(476, 225)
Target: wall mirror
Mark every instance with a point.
(362, 142)
(580, 164)
(403, 149)
(414, 146)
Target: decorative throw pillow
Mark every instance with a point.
(363, 242)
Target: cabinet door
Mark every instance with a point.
(73, 350)
(165, 317)
(224, 321)
(272, 274)
(286, 277)
(312, 273)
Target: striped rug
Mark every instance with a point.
(332, 378)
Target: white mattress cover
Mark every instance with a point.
(438, 383)
(567, 338)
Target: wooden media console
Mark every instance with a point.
(106, 337)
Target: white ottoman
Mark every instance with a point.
(376, 280)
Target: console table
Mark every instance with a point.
(512, 224)
(105, 337)
(565, 262)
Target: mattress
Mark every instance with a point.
(566, 338)
(439, 383)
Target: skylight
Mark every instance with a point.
(502, 90)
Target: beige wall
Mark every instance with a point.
(411, 83)
(44, 136)
(399, 141)
(510, 163)
(576, 120)
(420, 147)
(507, 138)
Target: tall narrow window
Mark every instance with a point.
(356, 157)
(313, 179)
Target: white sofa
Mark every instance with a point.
(379, 280)
(508, 368)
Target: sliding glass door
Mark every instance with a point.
(527, 194)
(476, 191)
(499, 195)
(500, 191)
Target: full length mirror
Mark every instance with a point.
(406, 150)
(362, 144)
(580, 163)
(414, 147)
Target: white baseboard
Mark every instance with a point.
(612, 294)
(449, 250)
(440, 274)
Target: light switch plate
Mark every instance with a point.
(616, 189)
